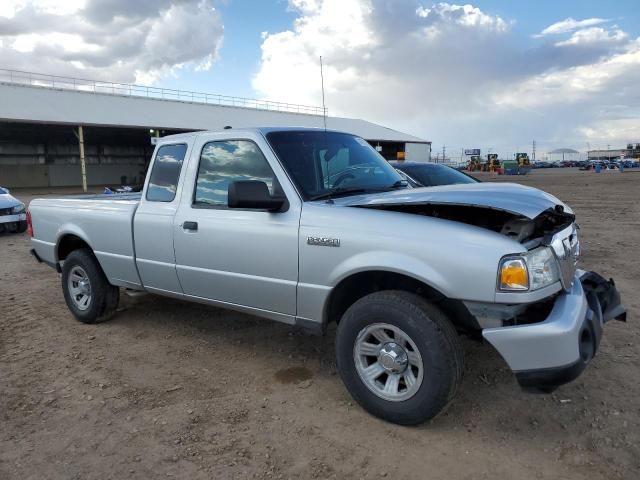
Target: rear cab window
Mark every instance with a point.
(165, 173)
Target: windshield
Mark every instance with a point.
(327, 163)
(3, 191)
(432, 175)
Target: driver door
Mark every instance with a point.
(238, 257)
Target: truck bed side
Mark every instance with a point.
(101, 221)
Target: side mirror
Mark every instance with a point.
(255, 195)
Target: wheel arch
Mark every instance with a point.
(358, 285)
(67, 243)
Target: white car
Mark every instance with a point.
(13, 216)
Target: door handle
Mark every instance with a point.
(192, 226)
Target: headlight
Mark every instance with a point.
(543, 268)
(530, 271)
(18, 208)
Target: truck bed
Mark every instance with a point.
(104, 222)
(111, 196)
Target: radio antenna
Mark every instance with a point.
(324, 118)
(324, 108)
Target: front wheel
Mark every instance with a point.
(399, 356)
(88, 293)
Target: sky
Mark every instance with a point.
(495, 75)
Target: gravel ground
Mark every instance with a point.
(172, 389)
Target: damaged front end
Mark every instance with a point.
(526, 215)
(547, 317)
(531, 232)
(573, 328)
(603, 297)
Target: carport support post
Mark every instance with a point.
(83, 167)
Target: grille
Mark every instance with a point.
(5, 211)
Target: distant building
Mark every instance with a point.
(43, 118)
(632, 151)
(563, 154)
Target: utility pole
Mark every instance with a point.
(533, 151)
(83, 169)
(444, 149)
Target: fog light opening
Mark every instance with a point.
(587, 345)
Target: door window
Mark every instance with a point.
(165, 173)
(228, 161)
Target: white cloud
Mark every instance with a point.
(465, 15)
(369, 45)
(569, 25)
(578, 84)
(69, 43)
(8, 8)
(614, 132)
(454, 74)
(594, 35)
(116, 40)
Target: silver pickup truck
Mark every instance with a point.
(309, 227)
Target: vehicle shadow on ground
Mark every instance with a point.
(488, 383)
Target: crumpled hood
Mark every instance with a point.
(509, 197)
(8, 201)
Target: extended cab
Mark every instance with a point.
(309, 227)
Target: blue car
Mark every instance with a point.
(422, 174)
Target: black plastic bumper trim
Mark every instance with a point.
(546, 380)
(54, 265)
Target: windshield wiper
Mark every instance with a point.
(352, 190)
(339, 191)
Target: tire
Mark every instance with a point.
(414, 323)
(103, 297)
(21, 227)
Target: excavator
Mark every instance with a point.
(477, 165)
(474, 164)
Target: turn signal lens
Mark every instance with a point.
(514, 274)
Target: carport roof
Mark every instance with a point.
(564, 150)
(33, 103)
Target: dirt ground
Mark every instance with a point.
(172, 389)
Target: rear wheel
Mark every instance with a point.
(88, 293)
(399, 356)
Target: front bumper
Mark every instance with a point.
(18, 217)
(555, 351)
